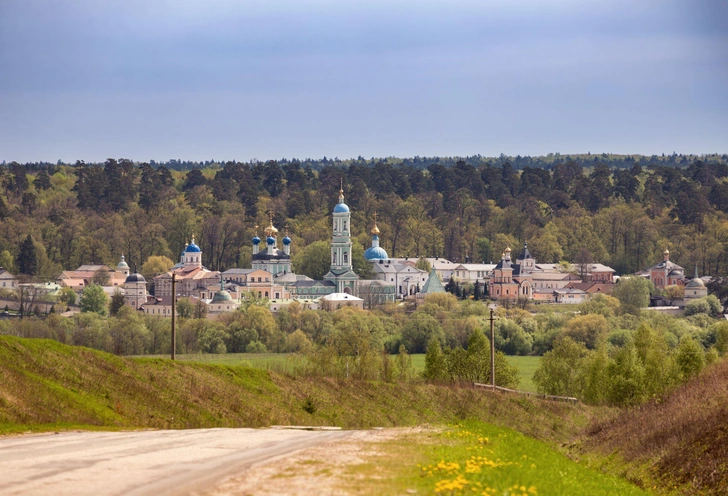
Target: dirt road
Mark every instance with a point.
(142, 463)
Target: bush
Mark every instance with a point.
(590, 330)
(698, 306)
(620, 337)
(256, 347)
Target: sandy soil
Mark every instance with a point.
(316, 470)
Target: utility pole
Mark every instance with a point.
(174, 313)
(492, 349)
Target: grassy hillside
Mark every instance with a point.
(679, 442)
(47, 385)
(288, 362)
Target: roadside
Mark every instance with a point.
(468, 458)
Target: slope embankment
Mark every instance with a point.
(47, 385)
(678, 442)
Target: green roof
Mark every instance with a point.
(433, 284)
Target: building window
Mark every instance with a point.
(278, 295)
(266, 294)
(346, 258)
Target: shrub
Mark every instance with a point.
(256, 347)
(590, 330)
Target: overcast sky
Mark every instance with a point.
(152, 79)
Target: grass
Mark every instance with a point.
(474, 457)
(47, 385)
(288, 363)
(285, 363)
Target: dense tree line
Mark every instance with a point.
(587, 210)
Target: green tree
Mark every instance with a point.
(6, 261)
(560, 370)
(314, 260)
(690, 357)
(184, 308)
(67, 296)
(212, 338)
(155, 265)
(633, 293)
(129, 334)
(419, 330)
(720, 330)
(423, 264)
(435, 364)
(590, 330)
(94, 299)
(27, 261)
(116, 303)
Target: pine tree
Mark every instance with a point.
(42, 180)
(27, 261)
(4, 211)
(476, 291)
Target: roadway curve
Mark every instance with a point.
(144, 462)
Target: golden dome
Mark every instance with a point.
(666, 252)
(375, 230)
(270, 230)
(508, 249)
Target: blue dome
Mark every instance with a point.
(341, 208)
(192, 248)
(375, 253)
(286, 240)
(271, 240)
(256, 240)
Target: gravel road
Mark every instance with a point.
(140, 463)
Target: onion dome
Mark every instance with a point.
(192, 247)
(375, 253)
(695, 282)
(375, 230)
(135, 278)
(270, 240)
(286, 241)
(271, 230)
(222, 296)
(122, 265)
(341, 207)
(256, 240)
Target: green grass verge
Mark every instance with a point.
(475, 457)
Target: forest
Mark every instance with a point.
(57, 217)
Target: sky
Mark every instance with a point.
(243, 80)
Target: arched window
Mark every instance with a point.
(266, 294)
(344, 225)
(346, 258)
(334, 259)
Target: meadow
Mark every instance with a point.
(288, 363)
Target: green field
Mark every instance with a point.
(288, 363)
